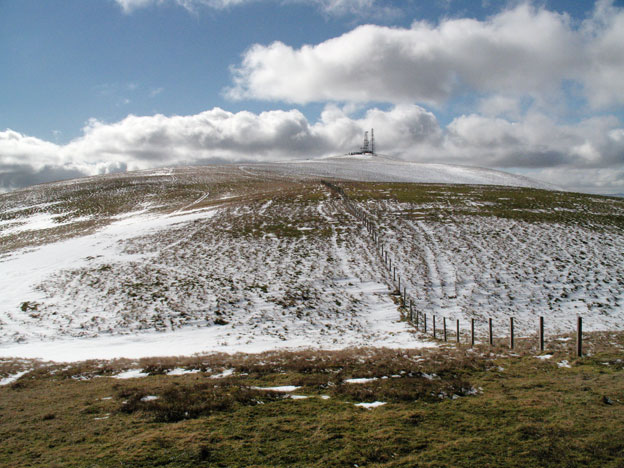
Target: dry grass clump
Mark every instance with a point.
(178, 402)
(514, 410)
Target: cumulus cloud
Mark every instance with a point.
(524, 50)
(407, 131)
(534, 142)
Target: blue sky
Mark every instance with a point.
(107, 85)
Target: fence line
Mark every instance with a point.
(416, 317)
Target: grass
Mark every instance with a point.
(444, 407)
(96, 201)
(525, 204)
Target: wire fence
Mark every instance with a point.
(440, 328)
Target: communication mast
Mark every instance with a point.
(364, 148)
(372, 142)
(368, 147)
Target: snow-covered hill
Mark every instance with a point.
(253, 257)
(375, 168)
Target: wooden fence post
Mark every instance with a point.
(541, 333)
(399, 277)
(472, 337)
(411, 312)
(457, 331)
(434, 327)
(579, 336)
(444, 326)
(417, 317)
(425, 322)
(511, 333)
(491, 335)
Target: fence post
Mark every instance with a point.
(425, 322)
(579, 336)
(417, 317)
(411, 312)
(444, 326)
(393, 273)
(399, 278)
(434, 327)
(541, 333)
(490, 328)
(457, 331)
(472, 337)
(511, 333)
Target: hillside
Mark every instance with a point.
(263, 256)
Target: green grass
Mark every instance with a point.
(527, 412)
(524, 204)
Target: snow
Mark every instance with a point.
(283, 388)
(35, 222)
(150, 398)
(131, 374)
(181, 371)
(94, 297)
(12, 378)
(544, 357)
(225, 373)
(481, 267)
(360, 380)
(384, 169)
(374, 404)
(178, 279)
(564, 363)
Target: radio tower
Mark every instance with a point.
(365, 145)
(368, 147)
(372, 142)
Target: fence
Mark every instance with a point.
(419, 319)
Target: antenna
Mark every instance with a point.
(372, 142)
(365, 145)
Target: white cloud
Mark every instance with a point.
(360, 8)
(501, 106)
(524, 50)
(594, 146)
(535, 142)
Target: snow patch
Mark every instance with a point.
(12, 378)
(374, 404)
(283, 388)
(360, 380)
(131, 374)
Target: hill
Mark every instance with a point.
(263, 256)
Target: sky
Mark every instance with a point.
(103, 86)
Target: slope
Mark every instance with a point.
(255, 257)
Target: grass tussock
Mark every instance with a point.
(449, 406)
(177, 402)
